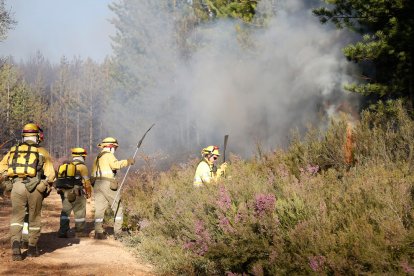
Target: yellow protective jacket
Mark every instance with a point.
(105, 165)
(47, 168)
(205, 174)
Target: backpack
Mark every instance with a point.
(68, 176)
(24, 161)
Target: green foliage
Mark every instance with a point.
(6, 20)
(19, 104)
(68, 100)
(391, 135)
(239, 9)
(321, 148)
(386, 45)
(301, 211)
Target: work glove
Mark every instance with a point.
(3, 180)
(44, 188)
(7, 186)
(48, 190)
(131, 161)
(223, 168)
(88, 191)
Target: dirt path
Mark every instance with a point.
(72, 256)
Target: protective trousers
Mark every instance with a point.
(19, 198)
(25, 231)
(72, 199)
(104, 197)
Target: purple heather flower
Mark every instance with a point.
(224, 200)
(317, 263)
(264, 203)
(225, 225)
(240, 216)
(202, 238)
(312, 170)
(199, 227)
(258, 270)
(189, 245)
(406, 267)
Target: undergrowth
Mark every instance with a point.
(304, 210)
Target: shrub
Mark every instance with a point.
(299, 211)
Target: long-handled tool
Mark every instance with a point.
(123, 180)
(226, 138)
(4, 143)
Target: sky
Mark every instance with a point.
(59, 28)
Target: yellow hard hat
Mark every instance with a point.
(108, 142)
(213, 150)
(79, 152)
(32, 130)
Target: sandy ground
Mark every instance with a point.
(71, 256)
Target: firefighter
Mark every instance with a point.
(30, 169)
(105, 185)
(207, 170)
(74, 186)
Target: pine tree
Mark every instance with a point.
(386, 51)
(6, 21)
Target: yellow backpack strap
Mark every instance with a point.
(13, 162)
(98, 167)
(36, 153)
(213, 169)
(76, 163)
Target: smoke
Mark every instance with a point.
(59, 28)
(289, 74)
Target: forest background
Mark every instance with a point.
(255, 69)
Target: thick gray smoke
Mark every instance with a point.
(289, 76)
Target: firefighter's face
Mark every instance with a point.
(213, 158)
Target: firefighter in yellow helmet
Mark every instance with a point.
(207, 170)
(105, 185)
(74, 186)
(29, 167)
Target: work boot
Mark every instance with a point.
(63, 235)
(24, 244)
(17, 254)
(33, 251)
(100, 236)
(81, 234)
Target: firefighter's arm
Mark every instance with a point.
(5, 185)
(3, 164)
(48, 169)
(116, 164)
(86, 180)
